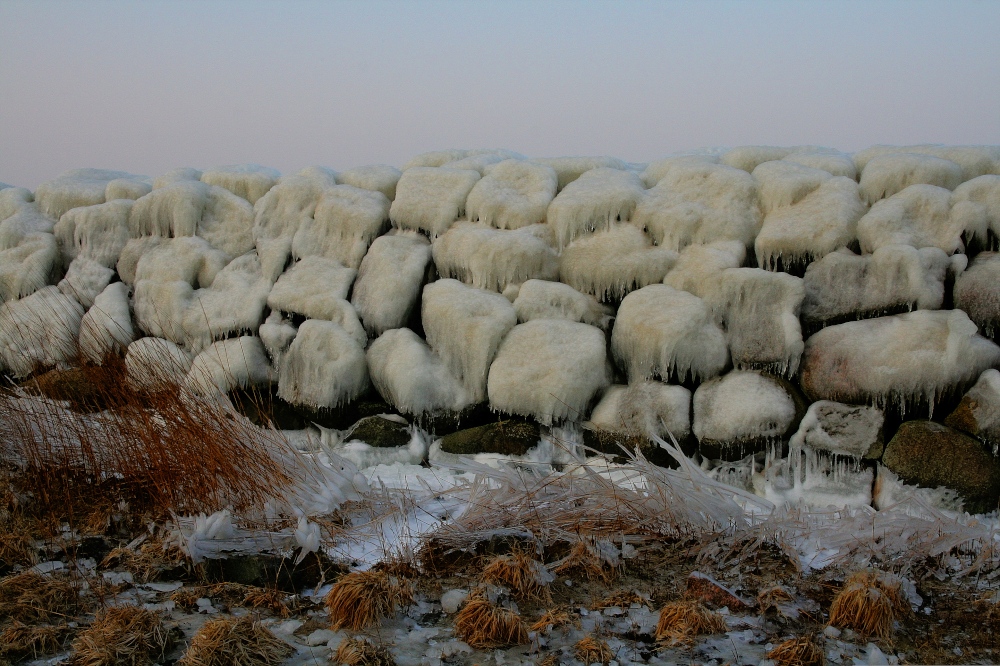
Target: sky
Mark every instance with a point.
(146, 86)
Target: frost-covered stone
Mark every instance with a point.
(291, 202)
(661, 332)
(155, 363)
(660, 169)
(437, 158)
(229, 364)
(975, 206)
(107, 328)
(234, 303)
(541, 299)
(27, 265)
(906, 360)
(781, 184)
(313, 287)
(324, 367)
(833, 162)
(974, 160)
(75, 188)
(376, 177)
(188, 258)
(491, 259)
(346, 221)
(176, 175)
(699, 267)
(609, 264)
(594, 202)
(128, 259)
(977, 292)
(84, 280)
(894, 278)
(569, 169)
(885, 175)
(390, 279)
(411, 377)
(430, 199)
(838, 428)
(38, 331)
(465, 326)
(98, 233)
(549, 369)
(978, 413)
(748, 158)
(247, 181)
(127, 188)
(917, 216)
(515, 194)
(644, 408)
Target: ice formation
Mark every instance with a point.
(247, 181)
(346, 221)
(27, 265)
(609, 264)
(781, 184)
(835, 427)
(514, 194)
(700, 202)
(189, 259)
(78, 187)
(234, 303)
(430, 199)
(657, 171)
(376, 177)
(155, 363)
(290, 203)
(323, 367)
(106, 328)
(437, 158)
(699, 267)
(646, 408)
(84, 280)
(38, 331)
(833, 162)
(390, 279)
(977, 292)
(974, 160)
(176, 175)
(893, 278)
(917, 216)
(541, 299)
(569, 169)
(593, 202)
(228, 364)
(661, 331)
(549, 369)
(314, 287)
(411, 377)
(128, 260)
(742, 405)
(748, 158)
(905, 360)
(490, 258)
(276, 334)
(98, 233)
(761, 311)
(465, 326)
(982, 404)
(975, 205)
(885, 175)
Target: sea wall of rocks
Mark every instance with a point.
(812, 325)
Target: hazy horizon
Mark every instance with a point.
(148, 86)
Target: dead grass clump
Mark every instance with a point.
(591, 650)
(520, 573)
(620, 599)
(122, 635)
(552, 619)
(33, 597)
(361, 598)
(21, 641)
(271, 600)
(584, 562)
(147, 561)
(772, 598)
(362, 652)
(230, 641)
(797, 652)
(869, 603)
(485, 625)
(681, 621)
(185, 598)
(17, 543)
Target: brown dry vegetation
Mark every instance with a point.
(123, 635)
(518, 572)
(869, 604)
(797, 652)
(486, 625)
(362, 598)
(230, 641)
(681, 621)
(362, 652)
(592, 650)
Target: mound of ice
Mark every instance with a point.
(975, 205)
(917, 216)
(515, 194)
(314, 287)
(247, 181)
(229, 364)
(79, 187)
(609, 264)
(233, 304)
(276, 334)
(430, 199)
(699, 267)
(740, 406)
(748, 158)
(540, 299)
(646, 408)
(38, 331)
(98, 233)
(661, 331)
(885, 175)
(375, 177)
(324, 367)
(549, 369)
(593, 202)
(569, 169)
(84, 280)
(390, 279)
(189, 259)
(346, 221)
(437, 158)
(27, 265)
(106, 328)
(490, 258)
(156, 363)
(657, 171)
(977, 292)
(979, 411)
(286, 206)
(781, 184)
(833, 162)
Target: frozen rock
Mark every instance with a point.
(27, 265)
(540, 299)
(390, 279)
(974, 160)
(833, 162)
(186, 259)
(155, 363)
(324, 367)
(660, 169)
(346, 221)
(452, 600)
(699, 267)
(106, 328)
(514, 194)
(509, 438)
(233, 304)
(276, 334)
(610, 264)
(84, 280)
(929, 454)
(550, 369)
(977, 292)
(290, 203)
(176, 175)
(376, 177)
(978, 413)
(127, 188)
(437, 158)
(490, 258)
(906, 360)
(315, 287)
(128, 260)
(430, 199)
(644, 408)
(411, 377)
(917, 216)
(40, 330)
(229, 364)
(835, 427)
(75, 188)
(885, 175)
(781, 184)
(568, 169)
(593, 202)
(247, 181)
(975, 206)
(660, 332)
(98, 233)
(749, 158)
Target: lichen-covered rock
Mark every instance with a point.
(380, 431)
(977, 292)
(847, 430)
(509, 437)
(929, 454)
(979, 411)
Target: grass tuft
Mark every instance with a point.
(231, 641)
(362, 598)
(21, 641)
(33, 597)
(796, 652)
(486, 625)
(591, 650)
(123, 635)
(681, 621)
(520, 573)
(869, 603)
(362, 652)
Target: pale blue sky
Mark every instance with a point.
(148, 86)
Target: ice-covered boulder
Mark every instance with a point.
(375, 177)
(813, 226)
(515, 194)
(346, 221)
(885, 175)
(438, 158)
(975, 206)
(490, 258)
(917, 216)
(128, 259)
(741, 413)
(38, 331)
(644, 408)
(541, 299)
(229, 364)
(315, 287)
(906, 360)
(569, 169)
(977, 292)
(78, 187)
(930, 455)
(894, 278)
(276, 334)
(27, 265)
(609, 264)
(761, 311)
(430, 199)
(98, 233)
(153, 364)
(974, 160)
(699, 267)
(247, 181)
(663, 332)
(833, 162)
(748, 158)
(700, 202)
(324, 367)
(390, 279)
(594, 202)
(781, 184)
(107, 328)
(411, 377)
(290, 203)
(549, 369)
(841, 429)
(13, 199)
(465, 326)
(978, 414)
(660, 169)
(233, 304)
(19, 217)
(84, 280)
(176, 175)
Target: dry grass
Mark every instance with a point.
(272, 600)
(797, 652)
(486, 625)
(231, 641)
(33, 597)
(122, 635)
(591, 650)
(869, 604)
(21, 641)
(362, 652)
(583, 562)
(619, 599)
(361, 598)
(518, 572)
(771, 598)
(17, 543)
(681, 621)
(148, 560)
(552, 619)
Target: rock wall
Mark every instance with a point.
(778, 311)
